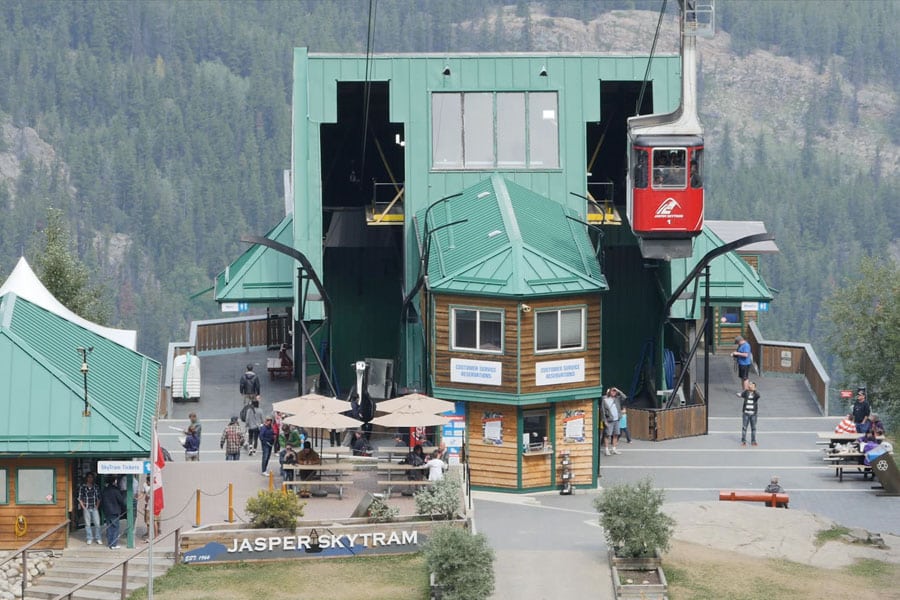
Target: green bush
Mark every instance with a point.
(439, 500)
(463, 564)
(380, 512)
(632, 519)
(274, 510)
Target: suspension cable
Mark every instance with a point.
(370, 50)
(640, 100)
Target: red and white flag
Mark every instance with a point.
(158, 463)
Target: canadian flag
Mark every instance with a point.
(158, 463)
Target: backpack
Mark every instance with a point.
(244, 413)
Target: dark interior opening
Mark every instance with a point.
(363, 265)
(617, 102)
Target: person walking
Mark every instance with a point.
(89, 501)
(249, 385)
(252, 416)
(113, 506)
(749, 412)
(191, 444)
(611, 405)
(232, 439)
(198, 430)
(623, 425)
(267, 441)
(744, 357)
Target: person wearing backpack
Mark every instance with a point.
(249, 385)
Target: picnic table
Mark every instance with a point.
(391, 469)
(388, 452)
(333, 474)
(832, 439)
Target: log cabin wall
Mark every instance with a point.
(516, 379)
(580, 453)
(492, 464)
(590, 353)
(441, 347)
(38, 517)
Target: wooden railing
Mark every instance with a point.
(658, 424)
(24, 552)
(791, 358)
(124, 564)
(226, 334)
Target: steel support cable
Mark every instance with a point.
(640, 100)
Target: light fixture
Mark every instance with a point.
(526, 308)
(543, 71)
(84, 371)
(446, 71)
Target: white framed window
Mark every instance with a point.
(36, 486)
(490, 130)
(4, 486)
(559, 330)
(476, 330)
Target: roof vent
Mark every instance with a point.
(483, 195)
(494, 233)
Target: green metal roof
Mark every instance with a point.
(42, 393)
(731, 278)
(261, 275)
(514, 242)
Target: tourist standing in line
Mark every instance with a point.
(89, 501)
(113, 506)
(232, 439)
(249, 385)
(267, 442)
(749, 412)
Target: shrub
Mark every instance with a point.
(439, 500)
(463, 564)
(274, 510)
(380, 512)
(632, 519)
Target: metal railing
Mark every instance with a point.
(67, 595)
(24, 552)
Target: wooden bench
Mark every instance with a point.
(276, 369)
(339, 484)
(779, 500)
(409, 483)
(865, 470)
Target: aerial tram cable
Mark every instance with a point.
(640, 100)
(367, 94)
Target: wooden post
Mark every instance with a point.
(231, 503)
(197, 515)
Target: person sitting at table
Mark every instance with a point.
(415, 458)
(361, 445)
(308, 456)
(876, 425)
(285, 358)
(290, 458)
(436, 467)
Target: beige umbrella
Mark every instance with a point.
(310, 403)
(410, 419)
(322, 420)
(415, 403)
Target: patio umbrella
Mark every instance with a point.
(322, 420)
(410, 419)
(310, 402)
(415, 403)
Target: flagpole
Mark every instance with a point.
(151, 517)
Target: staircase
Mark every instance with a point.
(83, 562)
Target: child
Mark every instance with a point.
(623, 425)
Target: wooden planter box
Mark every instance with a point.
(638, 570)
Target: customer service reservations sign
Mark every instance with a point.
(553, 372)
(483, 372)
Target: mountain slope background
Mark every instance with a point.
(162, 129)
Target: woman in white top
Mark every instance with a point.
(436, 467)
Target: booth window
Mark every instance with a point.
(535, 427)
(36, 486)
(4, 486)
(557, 330)
(477, 330)
(490, 130)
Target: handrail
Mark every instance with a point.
(36, 540)
(124, 564)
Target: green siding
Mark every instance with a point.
(261, 274)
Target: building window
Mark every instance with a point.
(730, 315)
(489, 130)
(559, 330)
(535, 429)
(4, 486)
(36, 486)
(477, 330)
